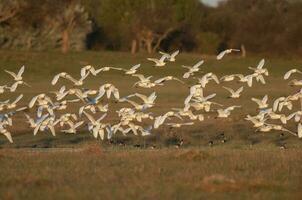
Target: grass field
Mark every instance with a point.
(248, 165)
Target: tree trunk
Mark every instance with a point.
(133, 46)
(65, 41)
(149, 46)
(243, 51)
(162, 37)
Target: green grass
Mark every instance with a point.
(159, 174)
(248, 166)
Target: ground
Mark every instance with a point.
(239, 164)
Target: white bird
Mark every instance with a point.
(259, 69)
(94, 108)
(46, 122)
(148, 100)
(224, 113)
(167, 78)
(231, 77)
(42, 99)
(195, 91)
(73, 127)
(281, 102)
(297, 116)
(14, 103)
(142, 78)
(109, 89)
(136, 105)
(257, 120)
(234, 94)
(290, 72)
(159, 62)
(2, 88)
(269, 127)
(132, 70)
(178, 125)
(262, 103)
(15, 85)
(94, 122)
(106, 69)
(185, 112)
(18, 76)
(6, 133)
(70, 78)
(204, 80)
(295, 82)
(61, 93)
(170, 57)
(247, 79)
(18, 79)
(193, 69)
(203, 104)
(135, 128)
(31, 121)
(161, 119)
(88, 69)
(227, 51)
(3, 104)
(300, 130)
(66, 118)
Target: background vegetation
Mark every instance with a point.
(260, 26)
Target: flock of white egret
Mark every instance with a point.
(196, 104)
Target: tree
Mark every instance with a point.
(143, 24)
(50, 24)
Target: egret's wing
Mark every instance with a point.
(220, 55)
(161, 80)
(239, 90)
(210, 96)
(11, 73)
(288, 74)
(265, 98)
(89, 117)
(173, 55)
(140, 76)
(258, 101)
(102, 117)
(229, 89)
(163, 57)
(261, 78)
(68, 77)
(83, 71)
(33, 101)
(250, 81)
(78, 124)
(300, 130)
(153, 60)
(52, 130)
(8, 136)
(116, 93)
(177, 79)
(55, 79)
(261, 64)
(135, 67)
(18, 99)
(62, 89)
(198, 64)
(215, 78)
(186, 75)
(21, 71)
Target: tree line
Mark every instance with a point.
(150, 25)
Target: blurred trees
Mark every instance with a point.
(48, 24)
(149, 25)
(142, 25)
